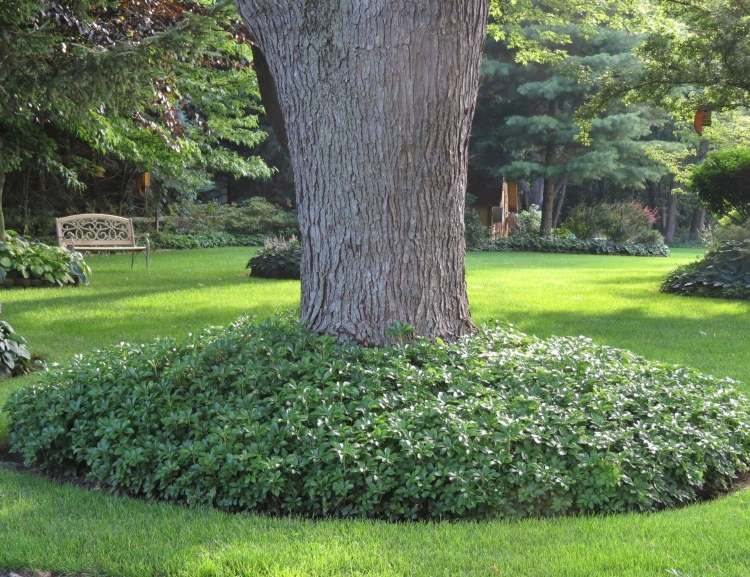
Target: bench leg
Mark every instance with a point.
(148, 257)
(132, 260)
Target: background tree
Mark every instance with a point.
(163, 85)
(696, 56)
(527, 119)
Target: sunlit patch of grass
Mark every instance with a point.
(615, 300)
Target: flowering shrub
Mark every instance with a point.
(255, 216)
(618, 222)
(528, 222)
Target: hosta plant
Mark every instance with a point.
(15, 358)
(574, 245)
(26, 262)
(275, 419)
(724, 272)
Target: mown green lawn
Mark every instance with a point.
(615, 300)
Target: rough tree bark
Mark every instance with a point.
(377, 101)
(671, 227)
(2, 213)
(562, 191)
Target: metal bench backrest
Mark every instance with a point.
(95, 230)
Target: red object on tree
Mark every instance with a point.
(701, 120)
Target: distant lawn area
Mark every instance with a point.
(615, 300)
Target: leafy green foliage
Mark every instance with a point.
(699, 58)
(620, 222)
(180, 241)
(475, 232)
(273, 418)
(534, 111)
(577, 246)
(723, 272)
(279, 258)
(723, 181)
(528, 222)
(256, 216)
(22, 259)
(15, 358)
(727, 230)
(511, 22)
(173, 93)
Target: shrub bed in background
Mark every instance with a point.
(255, 216)
(30, 263)
(279, 258)
(724, 272)
(272, 418)
(620, 222)
(576, 246)
(172, 240)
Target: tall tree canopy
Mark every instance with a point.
(165, 84)
(696, 56)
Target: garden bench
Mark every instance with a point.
(100, 233)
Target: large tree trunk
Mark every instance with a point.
(377, 101)
(536, 192)
(698, 224)
(671, 227)
(560, 194)
(548, 206)
(2, 213)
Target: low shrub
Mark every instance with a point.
(528, 222)
(272, 418)
(30, 263)
(475, 232)
(255, 216)
(619, 222)
(15, 358)
(171, 240)
(724, 272)
(722, 181)
(576, 246)
(727, 230)
(279, 258)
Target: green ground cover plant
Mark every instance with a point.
(724, 272)
(219, 239)
(272, 418)
(576, 246)
(15, 358)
